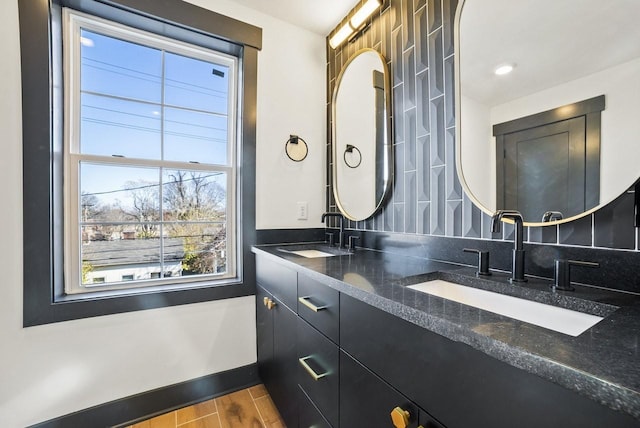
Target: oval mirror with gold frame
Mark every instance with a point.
(561, 54)
(361, 136)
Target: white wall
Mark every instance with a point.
(52, 370)
(478, 153)
(291, 100)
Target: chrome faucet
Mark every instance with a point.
(517, 267)
(341, 218)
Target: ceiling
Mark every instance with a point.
(554, 23)
(318, 16)
(550, 42)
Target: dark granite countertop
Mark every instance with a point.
(603, 363)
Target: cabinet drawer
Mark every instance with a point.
(278, 280)
(367, 401)
(319, 305)
(318, 370)
(309, 416)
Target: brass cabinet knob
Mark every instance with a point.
(270, 304)
(400, 417)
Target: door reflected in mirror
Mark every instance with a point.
(561, 53)
(361, 142)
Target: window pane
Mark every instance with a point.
(145, 115)
(131, 256)
(119, 193)
(204, 247)
(194, 195)
(114, 67)
(174, 251)
(196, 84)
(195, 137)
(113, 127)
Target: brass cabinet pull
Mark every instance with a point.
(400, 417)
(314, 375)
(305, 301)
(270, 304)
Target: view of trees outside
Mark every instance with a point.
(190, 205)
(140, 102)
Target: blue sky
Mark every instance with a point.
(122, 90)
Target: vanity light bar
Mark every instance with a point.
(364, 12)
(355, 22)
(340, 36)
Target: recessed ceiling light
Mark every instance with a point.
(504, 69)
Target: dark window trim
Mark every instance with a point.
(42, 229)
(179, 14)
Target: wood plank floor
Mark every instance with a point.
(248, 408)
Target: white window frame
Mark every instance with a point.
(73, 22)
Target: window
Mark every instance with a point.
(150, 153)
(70, 186)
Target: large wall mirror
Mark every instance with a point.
(563, 54)
(361, 138)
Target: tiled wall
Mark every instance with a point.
(416, 39)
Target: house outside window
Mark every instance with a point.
(150, 159)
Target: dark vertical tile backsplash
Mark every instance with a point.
(614, 224)
(543, 235)
(416, 38)
(578, 232)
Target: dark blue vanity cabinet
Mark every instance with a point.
(331, 360)
(297, 334)
(460, 386)
(276, 325)
(312, 382)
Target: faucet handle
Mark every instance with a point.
(562, 277)
(352, 242)
(483, 261)
(330, 238)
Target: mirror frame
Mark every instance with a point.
(458, 143)
(388, 144)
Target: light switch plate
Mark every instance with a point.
(302, 210)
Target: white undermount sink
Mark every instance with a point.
(313, 251)
(311, 254)
(562, 320)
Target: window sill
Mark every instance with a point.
(69, 308)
